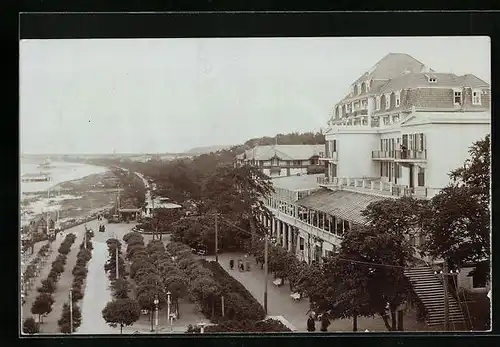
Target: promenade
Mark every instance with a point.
(280, 303)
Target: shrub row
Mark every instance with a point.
(31, 270)
(68, 241)
(44, 301)
(79, 276)
(119, 286)
(209, 282)
(155, 273)
(264, 326)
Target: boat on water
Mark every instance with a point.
(46, 164)
(36, 177)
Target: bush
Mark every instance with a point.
(30, 326)
(48, 286)
(79, 271)
(240, 304)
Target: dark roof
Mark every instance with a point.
(392, 65)
(442, 80)
(342, 204)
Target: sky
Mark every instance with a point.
(170, 95)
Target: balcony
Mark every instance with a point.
(375, 186)
(383, 155)
(330, 157)
(410, 155)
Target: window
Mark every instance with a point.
(431, 78)
(398, 98)
(334, 145)
(378, 103)
(395, 119)
(388, 101)
(386, 120)
(457, 97)
(359, 89)
(476, 97)
(421, 177)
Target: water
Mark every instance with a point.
(34, 192)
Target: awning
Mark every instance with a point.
(342, 204)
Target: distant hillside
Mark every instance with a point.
(208, 149)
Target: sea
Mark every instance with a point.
(34, 192)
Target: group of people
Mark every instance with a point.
(311, 322)
(241, 265)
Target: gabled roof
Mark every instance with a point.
(284, 152)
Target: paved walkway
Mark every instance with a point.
(281, 304)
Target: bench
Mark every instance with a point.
(295, 296)
(277, 282)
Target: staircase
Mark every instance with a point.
(429, 288)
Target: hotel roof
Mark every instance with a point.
(342, 204)
(297, 183)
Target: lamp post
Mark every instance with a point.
(168, 309)
(202, 325)
(156, 302)
(71, 311)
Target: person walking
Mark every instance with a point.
(325, 322)
(231, 264)
(311, 323)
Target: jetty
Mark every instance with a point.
(35, 177)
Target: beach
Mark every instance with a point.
(75, 190)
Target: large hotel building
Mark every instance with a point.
(399, 131)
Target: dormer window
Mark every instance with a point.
(359, 89)
(398, 98)
(431, 78)
(388, 101)
(476, 97)
(378, 103)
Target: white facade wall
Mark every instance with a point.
(448, 148)
(355, 154)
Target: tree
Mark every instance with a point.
(67, 317)
(30, 326)
(48, 286)
(241, 192)
(459, 228)
(122, 312)
(353, 283)
(177, 285)
(42, 305)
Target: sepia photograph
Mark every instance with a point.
(307, 185)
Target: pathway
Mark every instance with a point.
(32, 294)
(281, 304)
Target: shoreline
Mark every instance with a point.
(82, 198)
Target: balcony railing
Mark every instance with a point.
(383, 154)
(375, 186)
(410, 154)
(329, 156)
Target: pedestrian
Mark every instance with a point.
(325, 322)
(311, 323)
(231, 264)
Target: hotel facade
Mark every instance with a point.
(398, 132)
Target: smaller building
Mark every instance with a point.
(127, 214)
(158, 203)
(282, 160)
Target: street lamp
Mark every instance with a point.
(168, 309)
(156, 302)
(202, 325)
